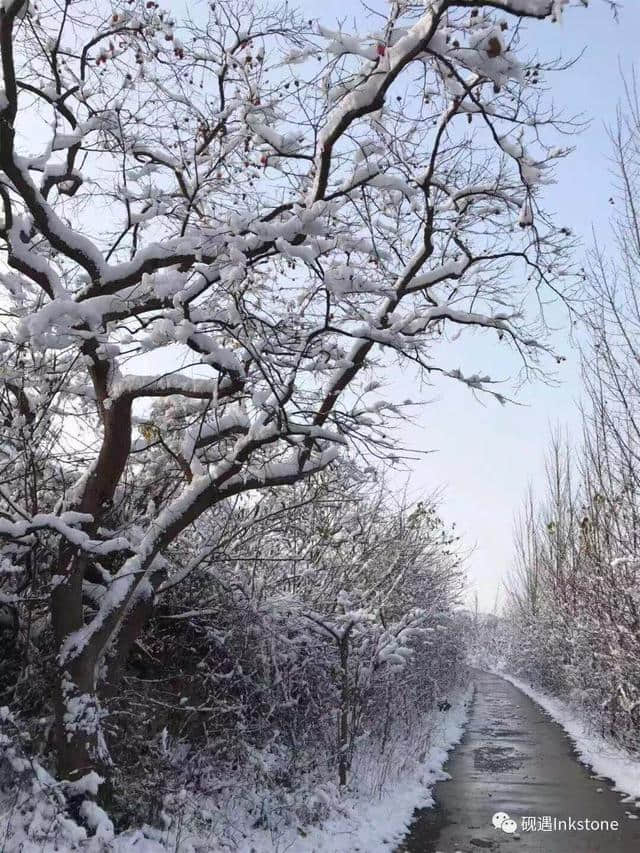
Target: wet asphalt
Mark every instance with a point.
(513, 759)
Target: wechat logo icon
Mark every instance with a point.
(501, 820)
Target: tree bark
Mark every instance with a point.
(343, 722)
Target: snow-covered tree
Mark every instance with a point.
(572, 623)
(304, 633)
(213, 229)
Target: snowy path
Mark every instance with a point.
(514, 759)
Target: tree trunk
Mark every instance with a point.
(76, 707)
(79, 741)
(118, 654)
(343, 717)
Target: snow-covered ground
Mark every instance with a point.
(603, 757)
(373, 825)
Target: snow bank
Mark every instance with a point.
(374, 825)
(604, 757)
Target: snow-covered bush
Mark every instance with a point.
(300, 644)
(571, 626)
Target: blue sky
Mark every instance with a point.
(487, 454)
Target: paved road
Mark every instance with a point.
(514, 759)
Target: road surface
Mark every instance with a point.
(515, 761)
